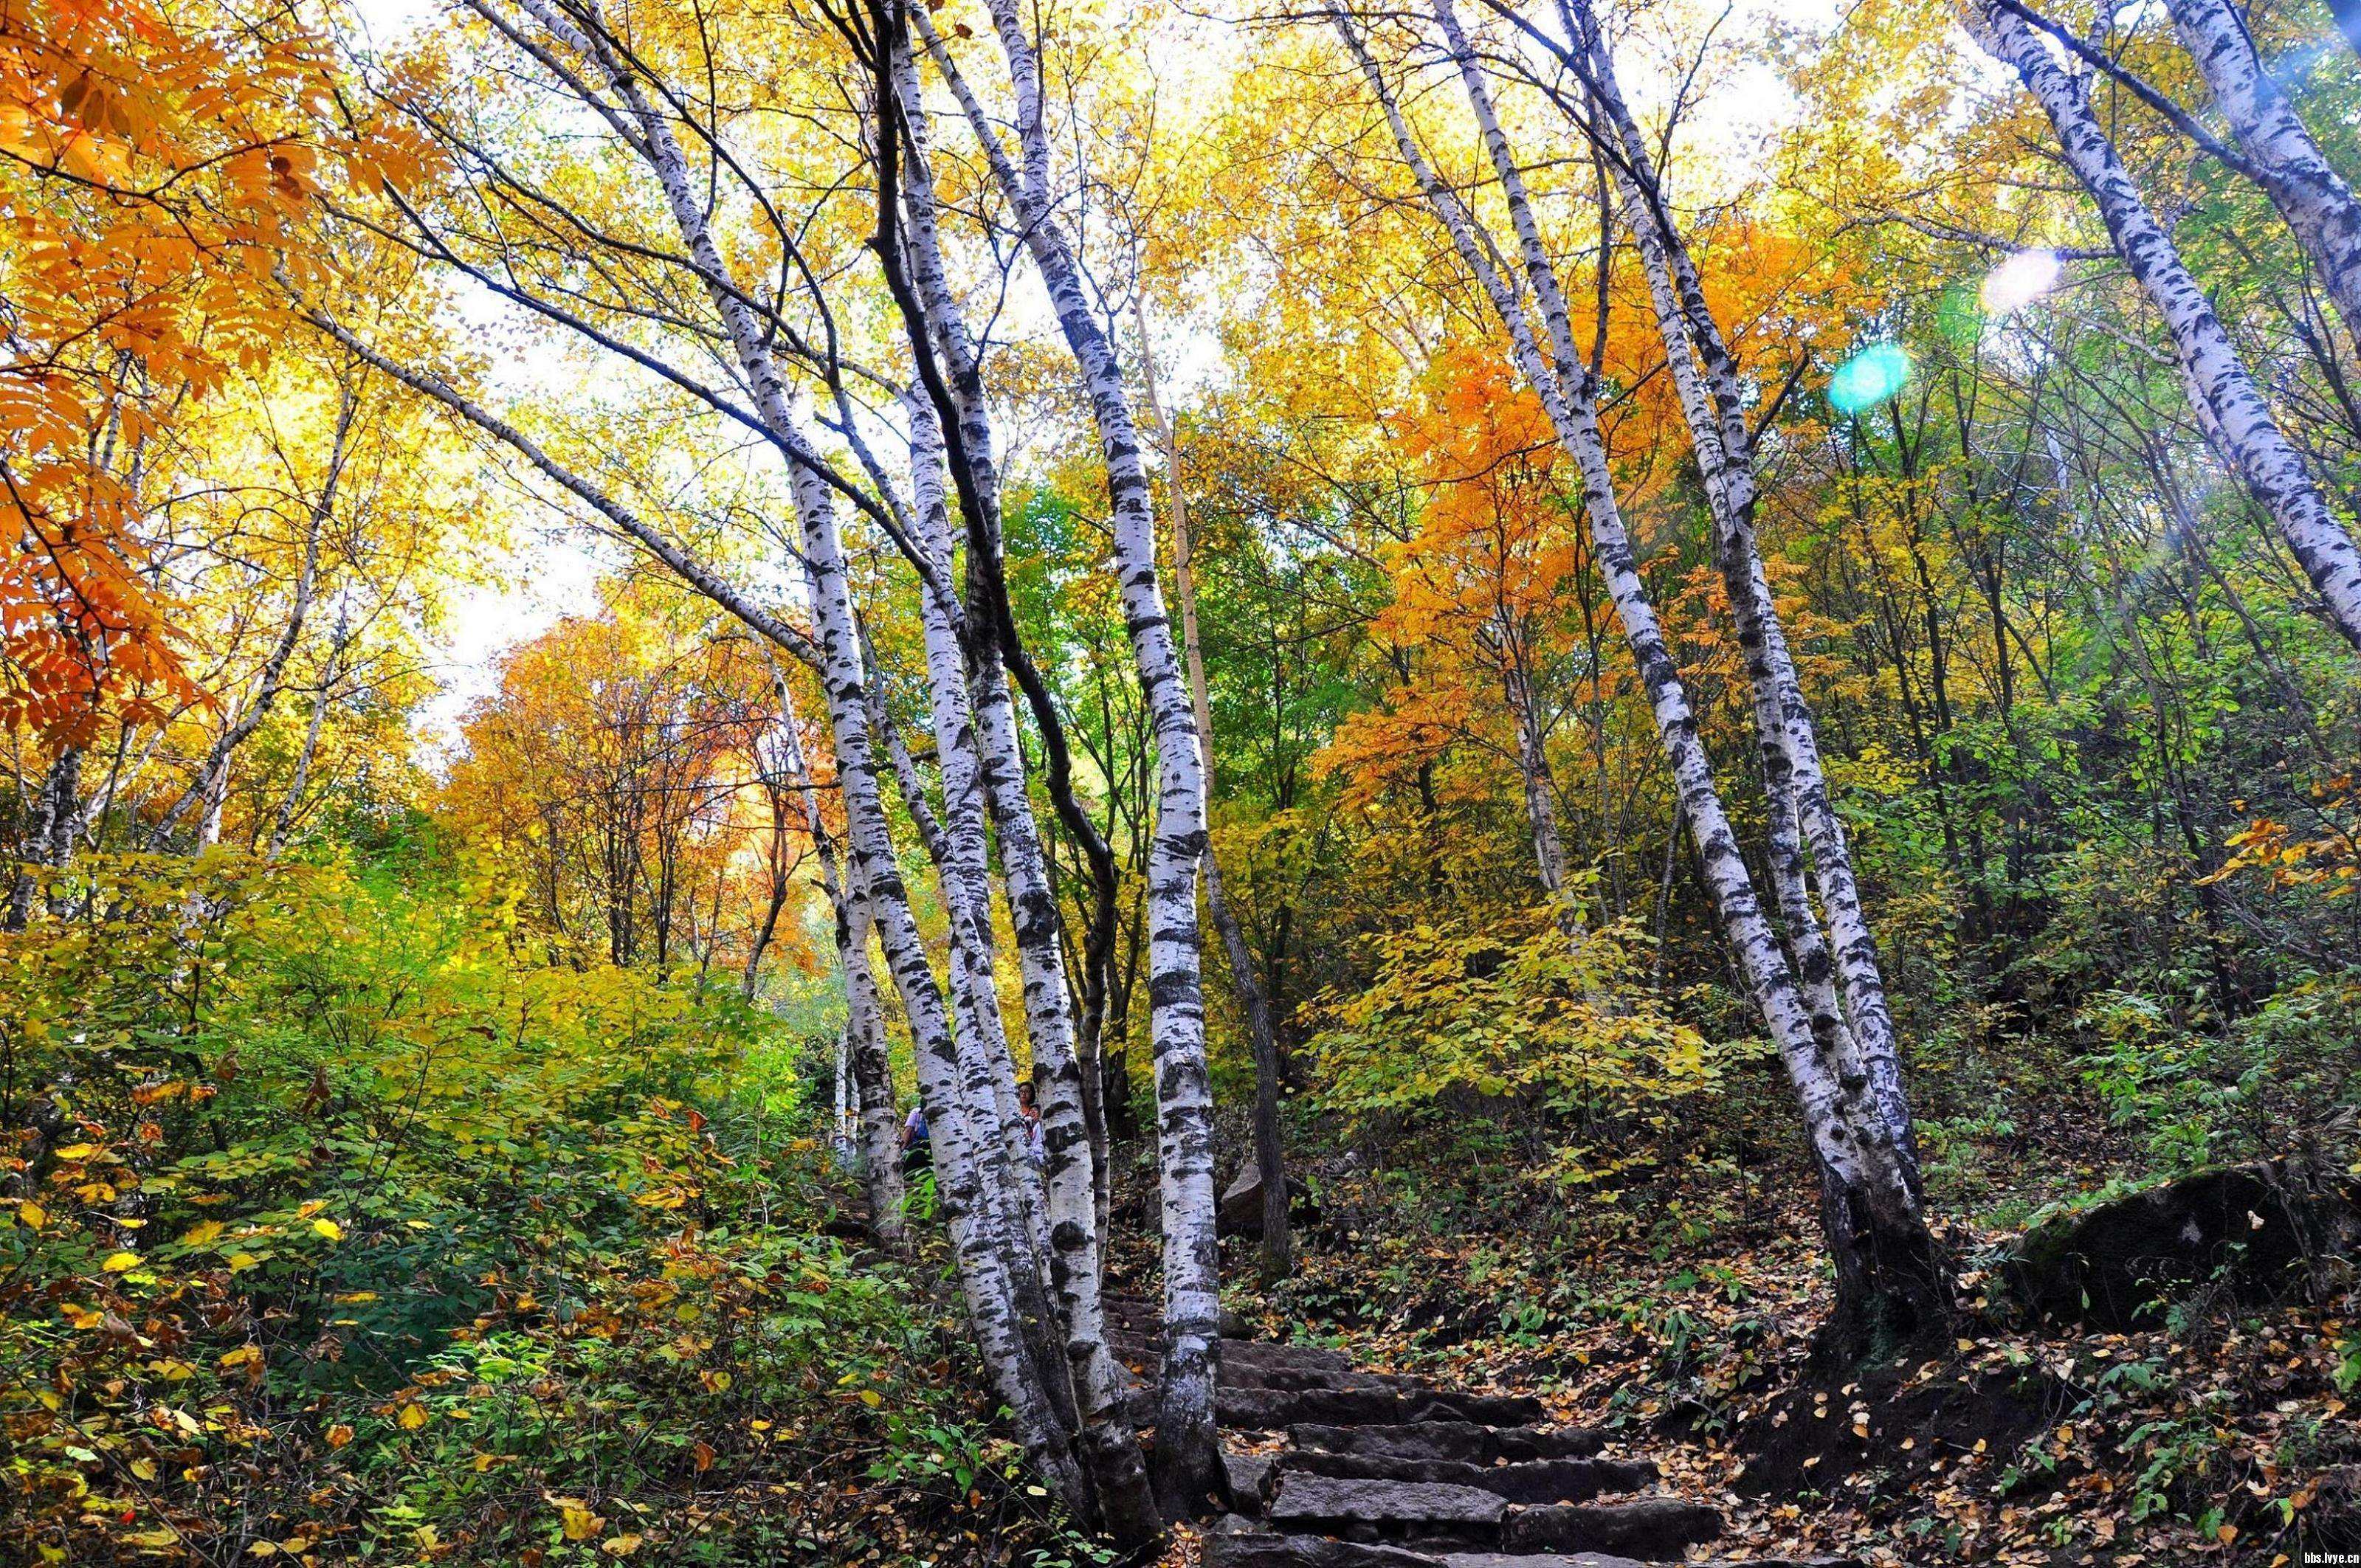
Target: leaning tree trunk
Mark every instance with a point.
(283, 822)
(2219, 385)
(973, 1206)
(1861, 1029)
(1068, 1178)
(1064, 1046)
(1889, 1278)
(2316, 200)
(963, 853)
(1270, 1165)
(965, 1142)
(1188, 1465)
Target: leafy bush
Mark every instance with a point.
(337, 1230)
(1566, 1029)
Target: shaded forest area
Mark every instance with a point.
(993, 782)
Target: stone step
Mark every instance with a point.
(1149, 1349)
(1422, 1511)
(1464, 1441)
(1252, 1476)
(1656, 1530)
(1273, 1410)
(1268, 1409)
(1533, 1481)
(1265, 1550)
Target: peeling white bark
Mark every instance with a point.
(1070, 1176)
(1876, 1235)
(2316, 200)
(1187, 1461)
(2218, 380)
(1861, 1029)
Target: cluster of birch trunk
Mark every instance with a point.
(1029, 1241)
(1808, 952)
(1808, 958)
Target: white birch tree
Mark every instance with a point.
(1889, 1276)
(1187, 1461)
(2223, 393)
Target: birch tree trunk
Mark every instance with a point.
(1270, 1165)
(1795, 787)
(283, 822)
(961, 852)
(51, 842)
(212, 786)
(1889, 1278)
(1188, 1468)
(2316, 200)
(1062, 1044)
(965, 1142)
(967, 1146)
(1067, 1178)
(2218, 381)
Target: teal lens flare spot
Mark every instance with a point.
(1869, 378)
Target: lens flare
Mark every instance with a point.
(2019, 281)
(1869, 378)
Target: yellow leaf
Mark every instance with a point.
(239, 1262)
(79, 1151)
(620, 1546)
(198, 1235)
(144, 1468)
(413, 1417)
(329, 1229)
(870, 1398)
(580, 1523)
(121, 1261)
(339, 1435)
(32, 1215)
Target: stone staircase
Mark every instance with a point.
(1333, 1467)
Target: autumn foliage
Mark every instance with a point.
(158, 165)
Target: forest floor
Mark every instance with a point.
(1683, 1323)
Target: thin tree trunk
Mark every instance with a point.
(1796, 785)
(1188, 1465)
(2226, 396)
(211, 788)
(1270, 1165)
(51, 840)
(940, 339)
(865, 1020)
(1889, 1278)
(283, 822)
(2310, 195)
